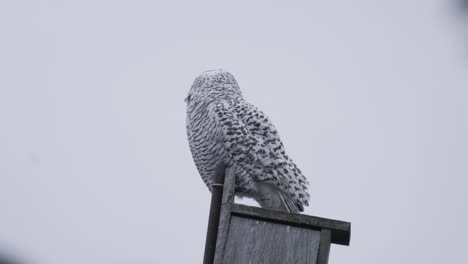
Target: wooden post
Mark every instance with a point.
(324, 248)
(225, 217)
(215, 209)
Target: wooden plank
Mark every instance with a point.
(340, 230)
(225, 214)
(213, 219)
(324, 249)
(261, 242)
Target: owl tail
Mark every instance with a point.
(270, 197)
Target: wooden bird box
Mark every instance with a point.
(247, 234)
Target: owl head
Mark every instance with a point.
(213, 85)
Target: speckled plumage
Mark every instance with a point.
(223, 127)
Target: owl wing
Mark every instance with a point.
(253, 143)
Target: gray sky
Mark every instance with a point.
(369, 98)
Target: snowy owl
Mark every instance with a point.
(223, 128)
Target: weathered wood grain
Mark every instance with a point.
(324, 249)
(261, 242)
(340, 231)
(215, 208)
(225, 215)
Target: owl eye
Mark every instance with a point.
(187, 99)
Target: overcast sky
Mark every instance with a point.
(369, 97)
